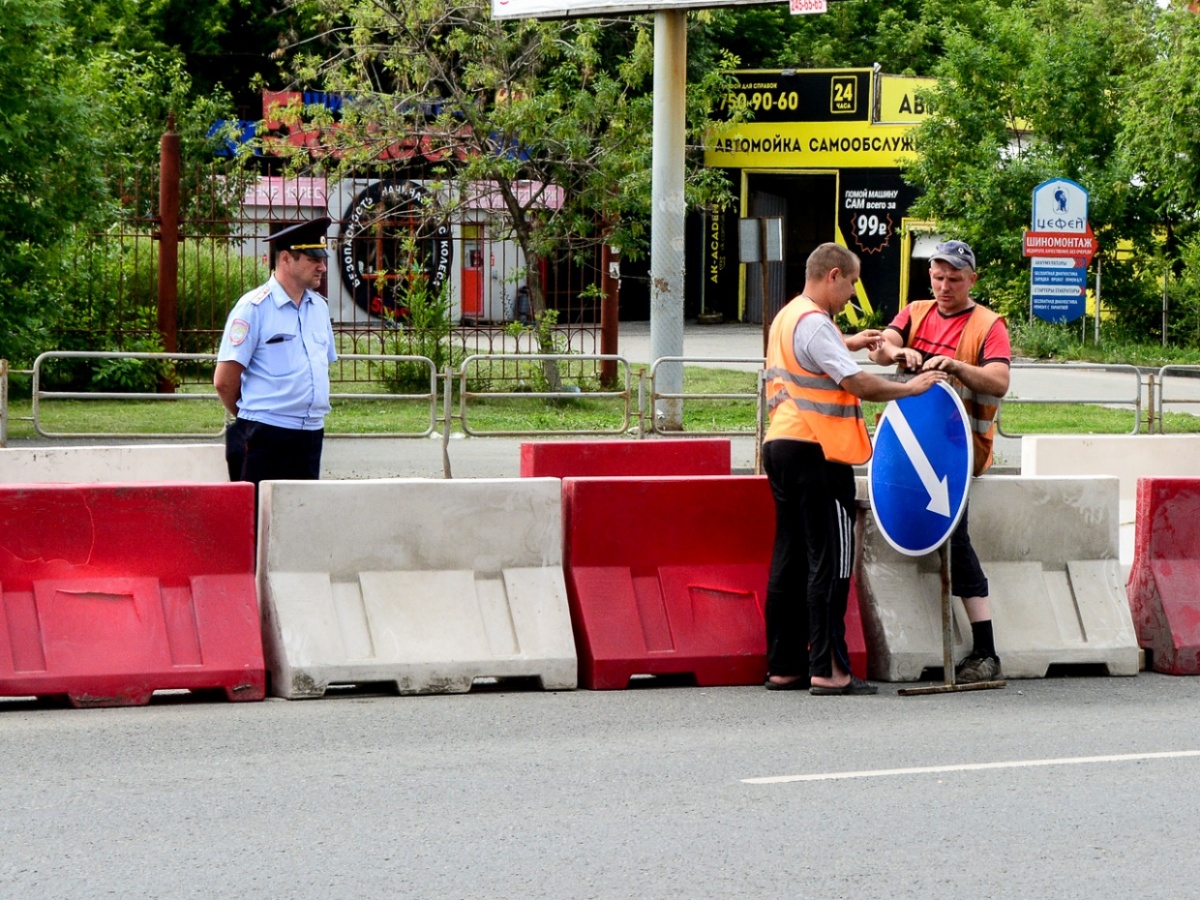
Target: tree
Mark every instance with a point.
(49, 176)
(553, 117)
(1029, 92)
(1161, 144)
(854, 33)
(225, 46)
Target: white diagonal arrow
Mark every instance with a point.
(939, 491)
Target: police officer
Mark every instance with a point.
(272, 371)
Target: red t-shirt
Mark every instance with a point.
(939, 335)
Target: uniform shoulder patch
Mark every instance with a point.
(260, 296)
(238, 329)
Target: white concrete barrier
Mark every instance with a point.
(1127, 457)
(204, 463)
(1049, 548)
(424, 584)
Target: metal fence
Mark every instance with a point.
(42, 395)
(185, 245)
(1148, 395)
(1177, 386)
(1132, 391)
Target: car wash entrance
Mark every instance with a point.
(805, 204)
(822, 153)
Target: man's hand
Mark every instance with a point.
(907, 358)
(925, 380)
(867, 339)
(947, 364)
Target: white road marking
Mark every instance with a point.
(973, 767)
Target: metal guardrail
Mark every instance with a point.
(655, 395)
(1180, 372)
(1135, 400)
(465, 396)
(41, 395)
(430, 397)
(1149, 392)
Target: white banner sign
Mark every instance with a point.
(558, 9)
(808, 7)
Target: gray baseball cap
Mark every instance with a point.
(957, 253)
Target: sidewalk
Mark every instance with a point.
(725, 341)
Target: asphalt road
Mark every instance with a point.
(1090, 790)
(1088, 786)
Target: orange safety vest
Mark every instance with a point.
(810, 406)
(981, 408)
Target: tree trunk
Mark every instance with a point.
(543, 323)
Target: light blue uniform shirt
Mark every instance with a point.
(286, 351)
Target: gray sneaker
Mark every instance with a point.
(978, 668)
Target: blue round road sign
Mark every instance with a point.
(921, 469)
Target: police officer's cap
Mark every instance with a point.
(306, 237)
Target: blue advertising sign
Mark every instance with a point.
(1058, 284)
(920, 471)
(1057, 276)
(1058, 289)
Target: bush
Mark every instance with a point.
(104, 297)
(1044, 340)
(425, 332)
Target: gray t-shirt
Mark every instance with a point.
(819, 347)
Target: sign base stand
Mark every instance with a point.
(947, 646)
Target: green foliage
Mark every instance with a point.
(873, 319)
(85, 91)
(1161, 97)
(425, 332)
(49, 176)
(103, 296)
(1097, 92)
(519, 103)
(1044, 340)
(1184, 296)
(896, 34)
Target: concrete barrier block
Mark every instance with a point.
(1128, 457)
(117, 464)
(1049, 548)
(427, 585)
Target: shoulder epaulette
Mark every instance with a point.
(260, 296)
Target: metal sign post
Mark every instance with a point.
(760, 240)
(918, 479)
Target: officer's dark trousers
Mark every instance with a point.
(263, 452)
(811, 561)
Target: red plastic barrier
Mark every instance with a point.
(669, 456)
(109, 592)
(1164, 580)
(668, 576)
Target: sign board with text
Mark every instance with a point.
(1060, 245)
